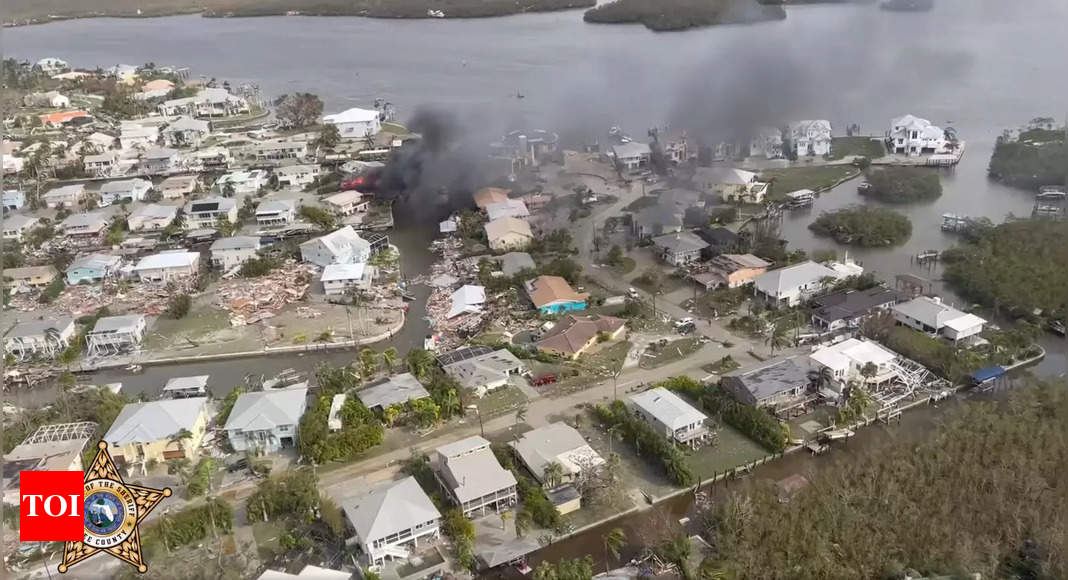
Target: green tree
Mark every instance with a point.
(553, 474)
(225, 227)
(614, 541)
(178, 306)
(389, 359)
(318, 217)
(420, 363)
(615, 255)
(577, 569)
(779, 338)
(227, 405)
(368, 363)
(329, 136)
(299, 110)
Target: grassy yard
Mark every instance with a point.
(624, 267)
(865, 146)
(500, 401)
(668, 283)
(816, 178)
(720, 302)
(675, 350)
(731, 449)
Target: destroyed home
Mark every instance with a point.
(933, 317)
(508, 234)
(472, 478)
(297, 176)
(672, 417)
(186, 387)
(12, 199)
(186, 132)
(211, 159)
(56, 447)
(85, 227)
(390, 521)
(178, 186)
(845, 362)
(266, 421)
(355, 123)
(573, 335)
(229, 253)
(161, 161)
(206, 212)
(680, 248)
(240, 183)
(776, 384)
(485, 372)
(553, 295)
(67, 196)
(731, 185)
(124, 190)
(51, 99)
(339, 279)
(792, 285)
(28, 277)
(513, 263)
(528, 147)
(116, 334)
(45, 337)
(148, 431)
(167, 266)
(731, 271)
(556, 443)
(278, 212)
(152, 217)
(397, 390)
(488, 196)
(849, 308)
(509, 208)
(811, 138)
(631, 155)
(16, 226)
(347, 203)
(92, 268)
(342, 246)
(467, 299)
(656, 220)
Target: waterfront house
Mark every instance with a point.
(560, 444)
(266, 421)
(933, 317)
(151, 431)
(228, 253)
(178, 186)
(102, 164)
(849, 308)
(116, 334)
(135, 135)
(488, 196)
(390, 521)
(161, 161)
(767, 143)
(185, 387)
(670, 416)
(208, 102)
(680, 248)
(720, 240)
(793, 285)
(777, 384)
(186, 132)
(513, 263)
(92, 268)
(347, 203)
(631, 155)
(276, 212)
(811, 138)
(126, 189)
(730, 185)
(472, 478)
(553, 295)
(13, 199)
(277, 150)
(167, 266)
(27, 277)
(910, 135)
(206, 212)
(46, 337)
(656, 220)
(355, 123)
(55, 447)
(296, 176)
(573, 335)
(397, 390)
(152, 217)
(18, 225)
(51, 65)
(211, 159)
(845, 362)
(467, 299)
(85, 227)
(508, 234)
(485, 371)
(67, 196)
(338, 279)
(240, 183)
(99, 142)
(509, 208)
(342, 246)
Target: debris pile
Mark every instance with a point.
(119, 296)
(251, 300)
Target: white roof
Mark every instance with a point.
(167, 260)
(353, 115)
(295, 169)
(462, 447)
(965, 322)
(66, 191)
(476, 474)
(97, 261)
(668, 408)
(19, 221)
(398, 389)
(199, 382)
(725, 175)
(499, 228)
(344, 198)
(484, 369)
(236, 243)
(340, 241)
(467, 299)
(276, 206)
(910, 121)
(308, 572)
(507, 208)
(778, 281)
(155, 210)
(336, 272)
(154, 420)
(556, 443)
(392, 508)
(83, 220)
(859, 352)
(631, 150)
(265, 410)
(935, 313)
(846, 269)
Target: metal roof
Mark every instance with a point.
(398, 389)
(154, 420)
(767, 380)
(265, 410)
(668, 408)
(389, 509)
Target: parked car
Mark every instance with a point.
(686, 328)
(546, 379)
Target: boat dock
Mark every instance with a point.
(1050, 203)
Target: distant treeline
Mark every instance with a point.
(665, 15)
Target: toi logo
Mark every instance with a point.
(50, 506)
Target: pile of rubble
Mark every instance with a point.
(83, 300)
(250, 300)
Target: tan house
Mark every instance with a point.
(573, 335)
(152, 430)
(508, 234)
(31, 276)
(347, 203)
(734, 270)
(490, 195)
(178, 186)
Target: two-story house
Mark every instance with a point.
(161, 161)
(158, 431)
(389, 522)
(206, 212)
(227, 253)
(167, 266)
(672, 417)
(266, 421)
(793, 285)
(67, 196)
(240, 182)
(296, 176)
(472, 478)
(116, 334)
(680, 248)
(277, 212)
(811, 138)
(46, 337)
(347, 203)
(936, 318)
(186, 132)
(125, 189)
(18, 225)
(152, 217)
(342, 246)
(852, 360)
(910, 135)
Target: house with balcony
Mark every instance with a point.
(680, 248)
(848, 362)
(296, 176)
(391, 521)
(178, 186)
(208, 102)
(355, 123)
(102, 164)
(240, 183)
(46, 337)
(811, 138)
(86, 227)
(152, 217)
(777, 384)
(277, 212)
(116, 334)
(205, 213)
(228, 253)
(471, 477)
(167, 266)
(933, 317)
(910, 135)
(342, 246)
(92, 268)
(124, 190)
(67, 196)
(347, 203)
(161, 161)
(277, 150)
(266, 421)
(186, 132)
(152, 431)
(632, 155)
(339, 279)
(16, 226)
(731, 185)
(211, 159)
(671, 416)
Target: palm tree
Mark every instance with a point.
(522, 523)
(420, 363)
(553, 474)
(613, 542)
(778, 339)
(368, 363)
(389, 358)
(450, 404)
(520, 416)
(504, 519)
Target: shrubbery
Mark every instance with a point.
(461, 531)
(863, 226)
(189, 525)
(754, 422)
(1034, 160)
(904, 184)
(651, 443)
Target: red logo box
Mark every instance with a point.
(50, 506)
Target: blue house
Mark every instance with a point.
(552, 295)
(92, 268)
(13, 199)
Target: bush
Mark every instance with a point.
(863, 226)
(461, 531)
(178, 306)
(1036, 159)
(288, 495)
(755, 423)
(257, 267)
(189, 525)
(649, 441)
(200, 482)
(904, 184)
(536, 503)
(360, 429)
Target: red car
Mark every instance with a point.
(544, 380)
